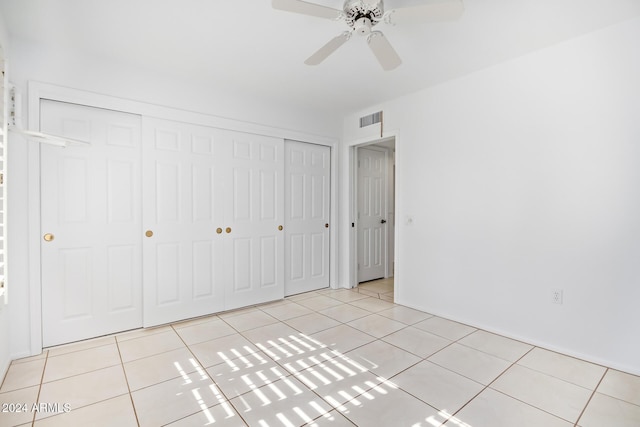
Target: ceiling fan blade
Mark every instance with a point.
(382, 49)
(298, 6)
(328, 49)
(438, 11)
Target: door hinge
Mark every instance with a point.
(1, 178)
(358, 266)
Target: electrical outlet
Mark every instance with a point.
(557, 296)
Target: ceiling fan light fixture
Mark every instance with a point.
(362, 15)
(363, 26)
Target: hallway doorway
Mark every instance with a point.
(373, 204)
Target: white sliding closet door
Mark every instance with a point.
(184, 173)
(212, 206)
(254, 215)
(90, 210)
(307, 198)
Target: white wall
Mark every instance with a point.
(4, 310)
(153, 86)
(522, 179)
(31, 63)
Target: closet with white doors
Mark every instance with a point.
(153, 221)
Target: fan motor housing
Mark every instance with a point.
(361, 15)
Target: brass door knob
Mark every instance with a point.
(219, 230)
(149, 233)
(48, 237)
(280, 227)
(228, 230)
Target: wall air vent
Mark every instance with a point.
(371, 119)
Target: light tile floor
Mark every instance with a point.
(382, 288)
(331, 357)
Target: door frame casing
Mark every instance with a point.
(385, 206)
(351, 269)
(36, 92)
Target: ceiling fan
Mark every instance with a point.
(362, 15)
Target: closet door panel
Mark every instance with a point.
(91, 218)
(182, 179)
(307, 189)
(255, 243)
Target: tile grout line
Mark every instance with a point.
(591, 397)
(58, 414)
(266, 353)
(338, 410)
(495, 379)
(226, 398)
(380, 339)
(375, 339)
(353, 349)
(46, 359)
(421, 359)
(293, 375)
(513, 397)
(426, 359)
(489, 386)
(343, 323)
(475, 349)
(563, 355)
(126, 379)
(4, 378)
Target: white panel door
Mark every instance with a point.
(371, 214)
(254, 205)
(307, 198)
(90, 201)
(184, 167)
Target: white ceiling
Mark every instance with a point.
(246, 46)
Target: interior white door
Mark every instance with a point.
(90, 210)
(254, 220)
(185, 171)
(307, 207)
(371, 214)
